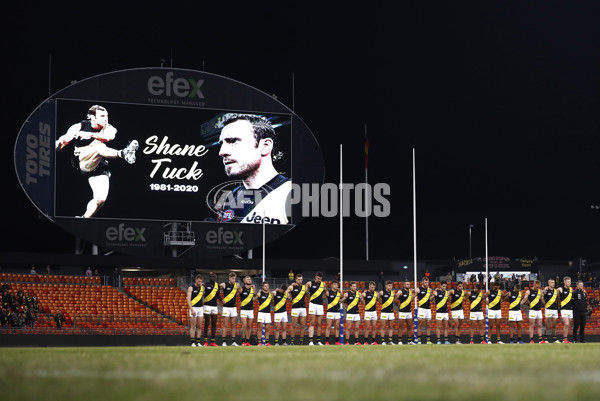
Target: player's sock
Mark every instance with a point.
(192, 340)
(519, 338)
(446, 339)
(554, 338)
(301, 340)
(310, 339)
(428, 338)
(390, 339)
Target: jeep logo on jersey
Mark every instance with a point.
(170, 86)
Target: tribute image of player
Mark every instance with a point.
(264, 299)
(352, 298)
(248, 147)
(566, 307)
(90, 153)
(476, 313)
(195, 295)
(424, 310)
(388, 317)
(551, 303)
(247, 310)
(333, 296)
(534, 298)
(316, 291)
(369, 298)
(457, 313)
(440, 296)
(404, 297)
(493, 298)
(297, 292)
(280, 315)
(515, 316)
(229, 311)
(211, 311)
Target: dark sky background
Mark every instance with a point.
(499, 99)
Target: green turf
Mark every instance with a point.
(451, 372)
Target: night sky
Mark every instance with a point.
(499, 99)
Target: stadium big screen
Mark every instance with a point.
(140, 160)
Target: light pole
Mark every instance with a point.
(470, 243)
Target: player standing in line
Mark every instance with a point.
(388, 317)
(515, 316)
(247, 310)
(456, 308)
(404, 297)
(264, 298)
(195, 293)
(333, 313)
(440, 297)
(493, 298)
(280, 314)
(369, 298)
(90, 153)
(297, 292)
(476, 313)
(534, 298)
(566, 307)
(211, 311)
(551, 302)
(316, 290)
(424, 313)
(352, 298)
(230, 290)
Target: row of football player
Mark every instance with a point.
(203, 299)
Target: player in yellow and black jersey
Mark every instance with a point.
(387, 316)
(369, 298)
(405, 297)
(195, 301)
(551, 303)
(316, 292)
(533, 297)
(334, 297)
(297, 293)
(229, 312)
(352, 299)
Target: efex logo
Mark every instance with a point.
(180, 87)
(128, 234)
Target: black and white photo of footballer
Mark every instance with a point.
(248, 148)
(90, 153)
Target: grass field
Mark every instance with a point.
(455, 372)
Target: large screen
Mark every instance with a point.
(135, 159)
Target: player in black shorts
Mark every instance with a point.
(90, 153)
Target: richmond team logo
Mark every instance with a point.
(227, 215)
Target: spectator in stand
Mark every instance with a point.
(3, 318)
(32, 271)
(48, 270)
(381, 284)
(595, 283)
(59, 319)
(588, 314)
(117, 277)
(480, 278)
(473, 279)
(20, 297)
(96, 273)
(88, 272)
(22, 317)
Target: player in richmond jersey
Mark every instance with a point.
(90, 153)
(211, 312)
(369, 298)
(404, 297)
(566, 307)
(229, 312)
(333, 296)
(264, 299)
(534, 298)
(316, 290)
(352, 298)
(296, 293)
(515, 317)
(280, 315)
(494, 309)
(457, 299)
(424, 310)
(247, 310)
(551, 302)
(195, 295)
(475, 312)
(387, 297)
(440, 296)
(248, 147)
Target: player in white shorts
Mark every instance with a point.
(424, 293)
(333, 296)
(441, 296)
(352, 298)
(534, 298)
(476, 313)
(369, 298)
(247, 310)
(280, 315)
(316, 291)
(457, 298)
(297, 293)
(264, 298)
(494, 298)
(566, 307)
(515, 317)
(551, 305)
(195, 294)
(388, 317)
(229, 311)
(404, 298)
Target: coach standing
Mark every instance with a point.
(579, 310)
